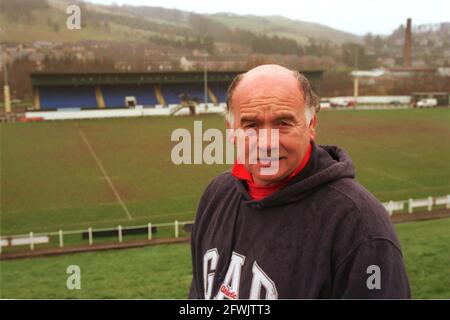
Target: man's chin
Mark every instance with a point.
(269, 179)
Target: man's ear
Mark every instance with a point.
(312, 127)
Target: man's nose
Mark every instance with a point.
(267, 141)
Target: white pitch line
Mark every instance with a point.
(397, 178)
(105, 174)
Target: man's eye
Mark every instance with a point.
(284, 124)
(249, 125)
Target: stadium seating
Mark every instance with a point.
(172, 91)
(114, 96)
(84, 97)
(219, 90)
(67, 97)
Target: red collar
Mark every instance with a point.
(259, 192)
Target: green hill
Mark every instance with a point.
(300, 31)
(33, 20)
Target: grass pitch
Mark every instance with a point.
(52, 177)
(51, 180)
(165, 271)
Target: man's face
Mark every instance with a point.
(269, 97)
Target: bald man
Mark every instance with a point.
(304, 231)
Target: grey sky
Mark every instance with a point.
(356, 16)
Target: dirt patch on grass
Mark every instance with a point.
(396, 218)
(420, 216)
(94, 247)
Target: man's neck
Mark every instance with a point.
(261, 189)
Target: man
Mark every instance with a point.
(309, 230)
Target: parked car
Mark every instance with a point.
(324, 104)
(351, 103)
(338, 103)
(427, 103)
(343, 103)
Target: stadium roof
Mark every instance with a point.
(57, 79)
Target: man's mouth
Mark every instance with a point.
(269, 160)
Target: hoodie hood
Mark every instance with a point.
(327, 164)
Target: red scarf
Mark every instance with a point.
(259, 192)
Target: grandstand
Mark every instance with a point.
(65, 91)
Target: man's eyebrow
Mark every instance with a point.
(249, 117)
(285, 115)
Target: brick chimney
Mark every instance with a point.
(407, 45)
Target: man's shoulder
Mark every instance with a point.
(352, 192)
(363, 209)
(358, 217)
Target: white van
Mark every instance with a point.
(325, 104)
(427, 103)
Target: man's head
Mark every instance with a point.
(273, 97)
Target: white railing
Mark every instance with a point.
(392, 206)
(65, 114)
(31, 239)
(428, 203)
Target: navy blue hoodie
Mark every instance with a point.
(321, 236)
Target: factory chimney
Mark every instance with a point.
(407, 44)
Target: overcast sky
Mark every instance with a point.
(355, 16)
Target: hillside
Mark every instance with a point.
(300, 31)
(32, 20)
